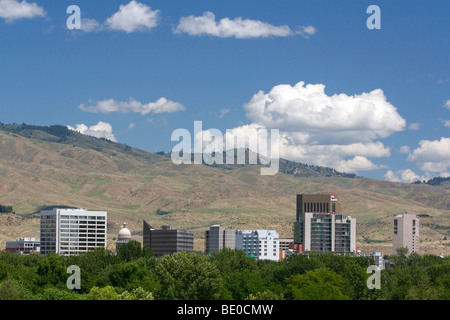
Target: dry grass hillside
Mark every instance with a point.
(39, 169)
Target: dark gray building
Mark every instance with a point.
(218, 237)
(167, 240)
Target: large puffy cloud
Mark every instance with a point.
(100, 130)
(162, 105)
(239, 28)
(13, 10)
(338, 131)
(339, 118)
(133, 17)
(432, 156)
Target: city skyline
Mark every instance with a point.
(373, 102)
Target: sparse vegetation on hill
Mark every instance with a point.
(43, 169)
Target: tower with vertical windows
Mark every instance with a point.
(218, 237)
(72, 231)
(406, 233)
(321, 227)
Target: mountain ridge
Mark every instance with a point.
(38, 169)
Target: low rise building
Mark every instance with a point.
(23, 246)
(260, 244)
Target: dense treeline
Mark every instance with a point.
(436, 181)
(135, 274)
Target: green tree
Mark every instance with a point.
(130, 276)
(133, 250)
(51, 271)
(92, 265)
(51, 293)
(242, 284)
(137, 294)
(320, 284)
(265, 295)
(443, 283)
(293, 265)
(9, 289)
(187, 276)
(232, 260)
(105, 293)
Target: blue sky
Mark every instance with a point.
(375, 102)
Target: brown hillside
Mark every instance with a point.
(132, 185)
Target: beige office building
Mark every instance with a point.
(406, 233)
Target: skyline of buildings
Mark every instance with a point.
(325, 229)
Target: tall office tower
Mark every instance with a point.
(317, 203)
(72, 231)
(167, 240)
(217, 238)
(406, 233)
(321, 227)
(325, 232)
(260, 244)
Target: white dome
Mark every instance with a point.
(124, 233)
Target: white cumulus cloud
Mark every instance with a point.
(133, 17)
(338, 118)
(238, 28)
(356, 164)
(338, 131)
(306, 31)
(432, 155)
(90, 25)
(407, 176)
(11, 10)
(414, 126)
(100, 130)
(447, 104)
(162, 105)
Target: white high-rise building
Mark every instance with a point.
(72, 231)
(262, 244)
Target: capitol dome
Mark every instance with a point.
(124, 233)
